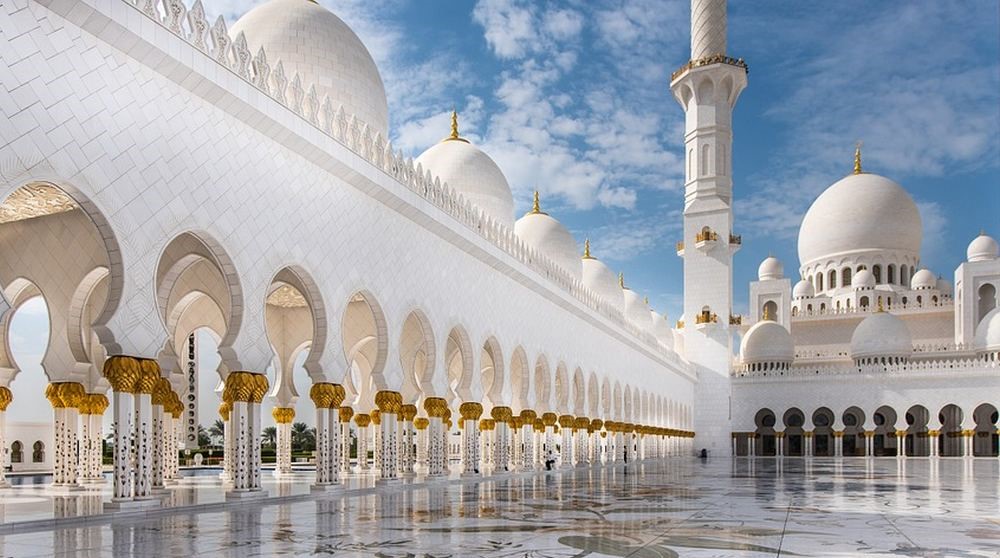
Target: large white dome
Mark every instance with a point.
(325, 52)
(987, 339)
(472, 173)
(881, 335)
(803, 289)
(861, 214)
(982, 248)
(770, 268)
(599, 278)
(636, 310)
(767, 341)
(550, 238)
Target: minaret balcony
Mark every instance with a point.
(706, 239)
(735, 243)
(705, 318)
(680, 248)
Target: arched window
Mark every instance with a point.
(920, 300)
(890, 274)
(905, 300)
(987, 300)
(17, 452)
(809, 308)
(848, 303)
(690, 164)
(38, 453)
(831, 279)
(819, 281)
(838, 305)
(877, 272)
(863, 302)
(822, 308)
(862, 267)
(845, 277)
(704, 160)
(769, 311)
(903, 280)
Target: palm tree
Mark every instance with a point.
(270, 436)
(300, 432)
(217, 432)
(203, 438)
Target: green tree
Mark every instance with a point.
(270, 436)
(300, 433)
(203, 438)
(217, 432)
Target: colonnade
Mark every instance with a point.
(902, 438)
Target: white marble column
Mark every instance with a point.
(345, 414)
(502, 417)
(362, 420)
(470, 412)
(335, 438)
(283, 418)
(595, 442)
(527, 436)
(323, 453)
(65, 398)
(123, 426)
(5, 399)
(566, 440)
(421, 424)
(901, 444)
(436, 449)
(390, 404)
(407, 440)
(932, 438)
(228, 445)
(157, 434)
(582, 434)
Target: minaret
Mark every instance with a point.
(707, 88)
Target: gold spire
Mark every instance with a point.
(645, 300)
(857, 158)
(880, 308)
(454, 129)
(536, 206)
(586, 250)
(621, 280)
(767, 314)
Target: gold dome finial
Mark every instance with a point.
(453, 136)
(621, 280)
(645, 300)
(857, 158)
(767, 314)
(586, 250)
(536, 206)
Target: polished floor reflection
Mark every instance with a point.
(678, 507)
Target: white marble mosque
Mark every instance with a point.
(163, 173)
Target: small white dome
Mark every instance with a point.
(550, 238)
(770, 268)
(987, 339)
(881, 335)
(471, 172)
(599, 278)
(635, 309)
(767, 341)
(982, 248)
(863, 280)
(803, 289)
(309, 39)
(923, 279)
(861, 213)
(944, 286)
(661, 330)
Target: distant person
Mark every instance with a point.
(703, 454)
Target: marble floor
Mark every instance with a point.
(676, 507)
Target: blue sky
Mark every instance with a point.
(572, 98)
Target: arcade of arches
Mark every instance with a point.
(952, 431)
(403, 395)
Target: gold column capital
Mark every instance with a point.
(123, 373)
(470, 410)
(345, 413)
(5, 397)
(566, 421)
(283, 415)
(549, 419)
(408, 411)
(224, 409)
(528, 416)
(149, 377)
(502, 414)
(362, 419)
(436, 407)
(421, 423)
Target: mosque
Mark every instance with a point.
(162, 173)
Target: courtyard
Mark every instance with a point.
(927, 508)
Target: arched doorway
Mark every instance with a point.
(985, 443)
(950, 439)
(765, 421)
(853, 437)
(917, 443)
(884, 443)
(822, 434)
(793, 420)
